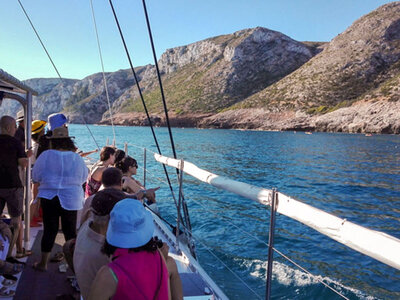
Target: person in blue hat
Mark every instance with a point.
(138, 269)
(54, 121)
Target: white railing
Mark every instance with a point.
(376, 244)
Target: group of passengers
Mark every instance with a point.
(113, 254)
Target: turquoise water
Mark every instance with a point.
(351, 176)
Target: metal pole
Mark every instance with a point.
(274, 198)
(28, 144)
(144, 166)
(126, 148)
(178, 208)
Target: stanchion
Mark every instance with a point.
(274, 198)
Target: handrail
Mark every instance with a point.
(375, 244)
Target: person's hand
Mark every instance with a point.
(151, 194)
(1, 245)
(29, 152)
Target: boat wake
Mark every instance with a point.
(288, 276)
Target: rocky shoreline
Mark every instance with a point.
(378, 117)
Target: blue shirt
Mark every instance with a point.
(61, 173)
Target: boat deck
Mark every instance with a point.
(53, 284)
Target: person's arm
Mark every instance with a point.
(23, 156)
(39, 168)
(84, 154)
(175, 282)
(104, 285)
(130, 185)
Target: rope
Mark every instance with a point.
(280, 253)
(226, 266)
(309, 273)
(159, 80)
(252, 236)
(97, 145)
(102, 68)
(141, 98)
(40, 40)
(186, 212)
(55, 68)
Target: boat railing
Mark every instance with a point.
(372, 243)
(375, 244)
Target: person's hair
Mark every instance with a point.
(63, 144)
(151, 246)
(111, 177)
(119, 155)
(125, 163)
(106, 152)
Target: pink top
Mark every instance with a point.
(141, 275)
(92, 186)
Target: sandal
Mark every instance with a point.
(59, 256)
(6, 293)
(36, 267)
(24, 253)
(11, 269)
(15, 261)
(10, 277)
(8, 282)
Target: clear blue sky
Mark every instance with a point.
(67, 30)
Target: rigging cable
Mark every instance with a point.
(251, 236)
(142, 99)
(184, 204)
(276, 250)
(40, 40)
(102, 68)
(159, 80)
(55, 68)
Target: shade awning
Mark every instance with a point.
(9, 83)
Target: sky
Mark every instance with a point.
(66, 29)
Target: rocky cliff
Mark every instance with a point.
(359, 66)
(254, 78)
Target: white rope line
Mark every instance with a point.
(155, 177)
(233, 272)
(251, 236)
(140, 147)
(102, 68)
(280, 253)
(306, 271)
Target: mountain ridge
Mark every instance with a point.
(254, 78)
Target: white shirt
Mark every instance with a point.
(61, 173)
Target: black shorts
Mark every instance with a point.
(14, 198)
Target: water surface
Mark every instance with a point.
(349, 175)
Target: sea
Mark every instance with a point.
(351, 176)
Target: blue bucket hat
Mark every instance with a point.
(130, 226)
(56, 120)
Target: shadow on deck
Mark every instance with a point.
(36, 285)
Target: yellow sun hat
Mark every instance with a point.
(38, 126)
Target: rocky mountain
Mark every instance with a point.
(254, 78)
(361, 65)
